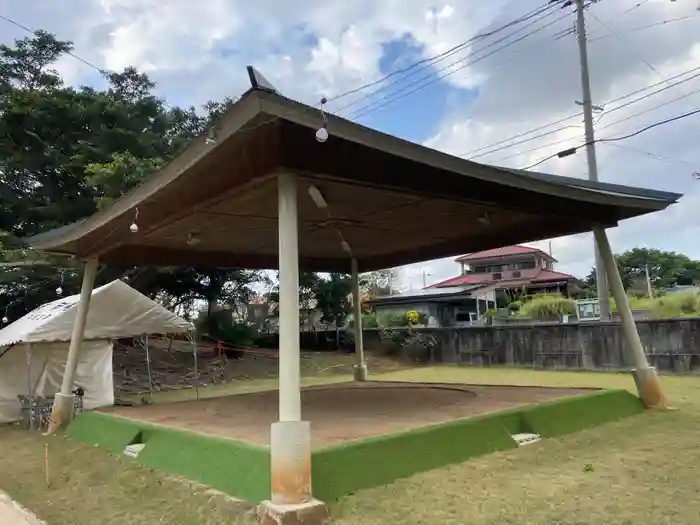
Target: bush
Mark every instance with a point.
(220, 325)
(407, 343)
(547, 306)
(515, 306)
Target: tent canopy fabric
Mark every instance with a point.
(116, 310)
(37, 370)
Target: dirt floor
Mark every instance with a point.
(342, 412)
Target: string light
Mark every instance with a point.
(59, 290)
(5, 320)
(211, 137)
(134, 228)
(322, 132)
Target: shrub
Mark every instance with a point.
(547, 306)
(407, 343)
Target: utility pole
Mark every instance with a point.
(650, 293)
(601, 279)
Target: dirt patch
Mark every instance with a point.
(343, 412)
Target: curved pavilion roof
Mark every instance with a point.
(395, 202)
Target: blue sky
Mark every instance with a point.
(198, 51)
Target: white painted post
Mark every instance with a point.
(646, 379)
(289, 381)
(360, 368)
(290, 438)
(62, 412)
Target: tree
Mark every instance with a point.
(66, 152)
(380, 282)
(665, 268)
(333, 298)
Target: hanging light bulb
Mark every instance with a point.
(134, 228)
(322, 135)
(59, 291)
(5, 320)
(211, 137)
(322, 132)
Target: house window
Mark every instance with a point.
(516, 274)
(497, 276)
(525, 265)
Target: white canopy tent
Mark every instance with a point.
(34, 349)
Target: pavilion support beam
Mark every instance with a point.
(645, 376)
(360, 368)
(290, 438)
(63, 406)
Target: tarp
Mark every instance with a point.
(116, 310)
(37, 369)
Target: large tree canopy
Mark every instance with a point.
(665, 268)
(66, 152)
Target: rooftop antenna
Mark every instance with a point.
(258, 81)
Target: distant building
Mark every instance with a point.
(446, 306)
(516, 268)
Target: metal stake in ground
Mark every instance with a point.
(601, 281)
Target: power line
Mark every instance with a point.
(103, 72)
(651, 155)
(437, 58)
(432, 74)
(640, 28)
(470, 155)
(371, 108)
(639, 4)
(571, 151)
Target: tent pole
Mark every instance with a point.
(196, 365)
(63, 406)
(30, 393)
(148, 368)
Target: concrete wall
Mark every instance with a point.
(671, 344)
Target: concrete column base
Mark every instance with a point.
(649, 388)
(360, 372)
(313, 512)
(62, 412)
(290, 462)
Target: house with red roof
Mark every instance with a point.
(465, 299)
(519, 269)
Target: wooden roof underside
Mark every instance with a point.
(394, 202)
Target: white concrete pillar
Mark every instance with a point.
(646, 379)
(289, 380)
(62, 412)
(360, 368)
(290, 438)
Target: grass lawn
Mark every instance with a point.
(644, 469)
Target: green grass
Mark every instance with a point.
(342, 470)
(239, 469)
(641, 469)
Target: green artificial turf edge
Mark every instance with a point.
(344, 469)
(239, 469)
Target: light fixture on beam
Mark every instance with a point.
(193, 239)
(134, 228)
(318, 198)
(322, 132)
